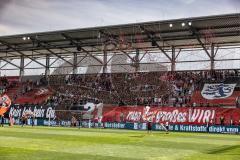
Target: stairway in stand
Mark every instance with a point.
(13, 91)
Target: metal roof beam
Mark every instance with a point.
(118, 41)
(9, 62)
(54, 61)
(111, 58)
(124, 52)
(215, 53)
(60, 57)
(41, 43)
(143, 56)
(196, 34)
(88, 53)
(178, 53)
(81, 60)
(151, 36)
(29, 63)
(21, 53)
(6, 63)
(77, 44)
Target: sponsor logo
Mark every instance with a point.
(172, 116)
(37, 111)
(217, 90)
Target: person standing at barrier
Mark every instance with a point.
(222, 120)
(100, 122)
(33, 120)
(2, 120)
(149, 126)
(207, 125)
(24, 120)
(11, 120)
(167, 127)
(79, 120)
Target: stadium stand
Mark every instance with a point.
(150, 88)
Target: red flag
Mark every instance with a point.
(5, 104)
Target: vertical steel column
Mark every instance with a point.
(1, 67)
(75, 71)
(137, 66)
(47, 68)
(173, 60)
(21, 73)
(212, 65)
(105, 59)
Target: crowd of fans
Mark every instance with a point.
(150, 88)
(141, 88)
(4, 84)
(70, 96)
(15, 88)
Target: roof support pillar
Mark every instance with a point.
(21, 72)
(212, 58)
(173, 60)
(47, 68)
(136, 59)
(75, 63)
(105, 61)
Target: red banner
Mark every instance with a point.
(173, 115)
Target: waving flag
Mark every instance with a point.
(217, 90)
(5, 103)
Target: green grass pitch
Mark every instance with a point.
(49, 143)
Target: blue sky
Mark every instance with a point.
(25, 16)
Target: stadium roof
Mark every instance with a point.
(221, 30)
